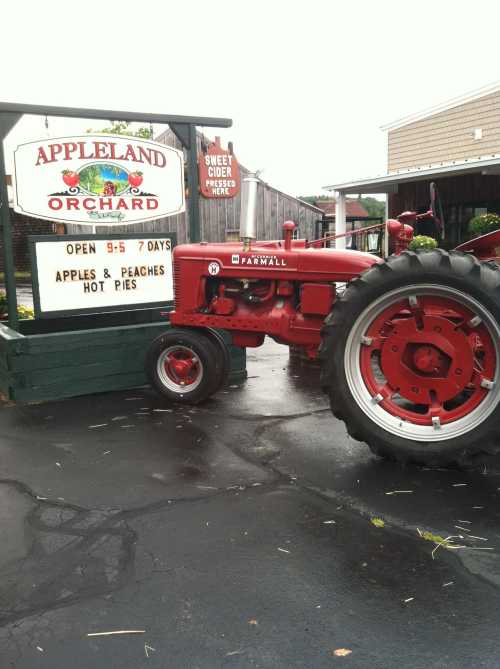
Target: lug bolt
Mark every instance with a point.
(458, 371)
(395, 349)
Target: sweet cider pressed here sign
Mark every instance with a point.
(98, 179)
(99, 273)
(218, 172)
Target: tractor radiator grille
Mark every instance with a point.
(177, 285)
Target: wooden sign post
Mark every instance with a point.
(99, 301)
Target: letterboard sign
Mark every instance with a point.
(76, 274)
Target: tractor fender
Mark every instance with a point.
(485, 247)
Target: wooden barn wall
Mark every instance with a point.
(220, 216)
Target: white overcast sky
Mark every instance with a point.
(307, 83)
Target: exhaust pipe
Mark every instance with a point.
(248, 214)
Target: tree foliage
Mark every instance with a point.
(374, 207)
(123, 128)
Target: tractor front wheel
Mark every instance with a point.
(411, 358)
(185, 365)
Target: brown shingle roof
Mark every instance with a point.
(354, 208)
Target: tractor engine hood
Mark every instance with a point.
(271, 260)
(337, 261)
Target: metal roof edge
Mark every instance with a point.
(443, 106)
(394, 177)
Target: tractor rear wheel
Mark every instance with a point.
(185, 365)
(411, 358)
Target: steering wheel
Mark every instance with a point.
(437, 208)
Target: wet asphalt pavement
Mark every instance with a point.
(236, 534)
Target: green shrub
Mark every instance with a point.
(484, 223)
(22, 311)
(421, 242)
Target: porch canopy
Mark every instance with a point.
(389, 183)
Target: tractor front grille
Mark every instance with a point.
(177, 284)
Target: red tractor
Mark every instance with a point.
(410, 348)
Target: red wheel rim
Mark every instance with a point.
(428, 359)
(180, 369)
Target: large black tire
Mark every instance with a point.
(456, 274)
(206, 375)
(224, 356)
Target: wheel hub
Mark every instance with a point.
(178, 367)
(428, 359)
(433, 362)
(182, 368)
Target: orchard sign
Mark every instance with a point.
(98, 180)
(219, 172)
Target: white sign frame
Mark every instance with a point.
(45, 272)
(145, 180)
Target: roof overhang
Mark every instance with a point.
(388, 183)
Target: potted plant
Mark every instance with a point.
(484, 223)
(22, 311)
(422, 243)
